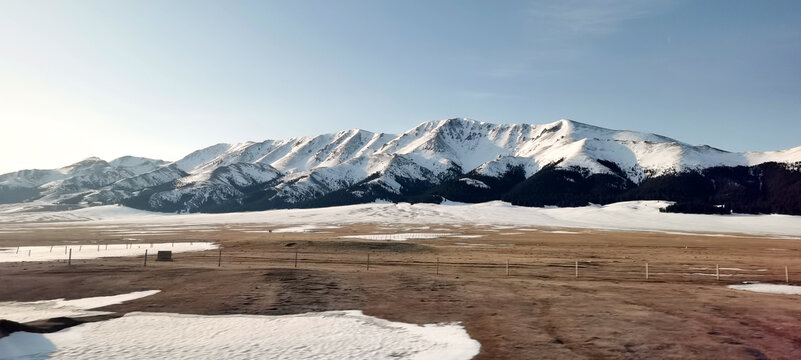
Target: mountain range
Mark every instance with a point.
(564, 163)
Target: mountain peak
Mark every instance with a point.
(90, 161)
(455, 121)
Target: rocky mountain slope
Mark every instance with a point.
(561, 163)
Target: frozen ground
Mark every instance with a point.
(324, 335)
(93, 251)
(46, 309)
(634, 215)
(397, 237)
(302, 229)
(769, 288)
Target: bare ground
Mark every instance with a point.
(540, 310)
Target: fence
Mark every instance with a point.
(513, 266)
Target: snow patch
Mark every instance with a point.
(23, 312)
(397, 237)
(474, 183)
(303, 229)
(769, 288)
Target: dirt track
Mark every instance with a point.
(541, 310)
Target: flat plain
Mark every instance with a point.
(536, 307)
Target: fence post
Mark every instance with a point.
(296, 259)
(145, 257)
(219, 257)
(69, 259)
(368, 261)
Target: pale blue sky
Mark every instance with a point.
(162, 78)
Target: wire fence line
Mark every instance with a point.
(490, 264)
(518, 266)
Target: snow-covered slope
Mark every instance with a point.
(302, 169)
(628, 216)
(136, 165)
(220, 185)
(92, 173)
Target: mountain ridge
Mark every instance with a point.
(356, 165)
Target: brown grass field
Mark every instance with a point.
(540, 310)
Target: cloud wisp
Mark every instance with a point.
(593, 17)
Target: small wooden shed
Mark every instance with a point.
(164, 255)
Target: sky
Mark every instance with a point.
(163, 78)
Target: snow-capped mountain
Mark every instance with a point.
(59, 184)
(447, 158)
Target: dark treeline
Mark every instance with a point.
(761, 189)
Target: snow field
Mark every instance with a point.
(94, 251)
(625, 216)
(139, 335)
(326, 335)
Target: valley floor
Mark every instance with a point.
(456, 273)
